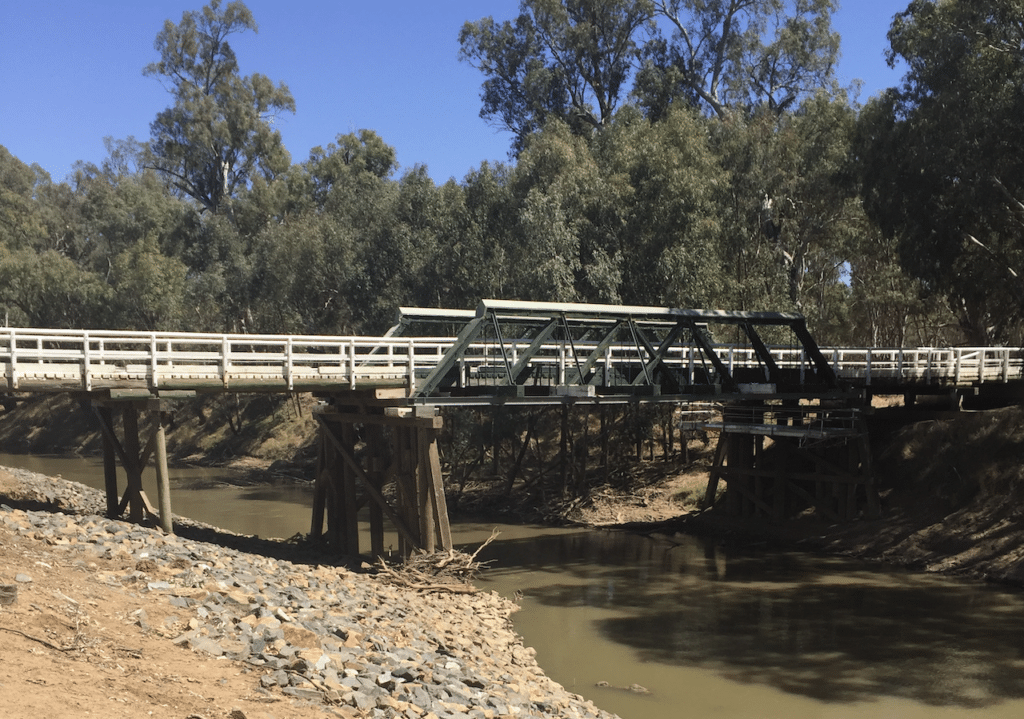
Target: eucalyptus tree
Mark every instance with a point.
(943, 158)
(567, 59)
(661, 208)
(728, 55)
(218, 135)
(21, 222)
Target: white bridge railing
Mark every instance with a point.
(62, 360)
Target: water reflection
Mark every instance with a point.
(827, 630)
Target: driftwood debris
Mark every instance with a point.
(450, 571)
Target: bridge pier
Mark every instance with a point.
(134, 457)
(778, 460)
(362, 451)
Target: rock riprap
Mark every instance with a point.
(317, 633)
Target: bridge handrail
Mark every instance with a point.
(80, 356)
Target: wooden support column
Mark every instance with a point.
(316, 528)
(716, 472)
(375, 476)
(109, 459)
(874, 504)
(130, 420)
(162, 480)
(349, 503)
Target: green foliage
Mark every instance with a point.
(564, 59)
(726, 55)
(148, 288)
(217, 136)
(21, 224)
(709, 169)
(942, 159)
(47, 289)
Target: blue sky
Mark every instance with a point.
(71, 73)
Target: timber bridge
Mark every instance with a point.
(792, 430)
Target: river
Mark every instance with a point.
(710, 630)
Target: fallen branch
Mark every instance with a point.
(36, 639)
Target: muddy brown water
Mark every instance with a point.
(708, 629)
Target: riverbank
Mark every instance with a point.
(115, 619)
(952, 492)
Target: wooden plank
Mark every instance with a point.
(844, 479)
(383, 419)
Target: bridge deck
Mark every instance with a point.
(526, 353)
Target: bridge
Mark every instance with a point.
(764, 366)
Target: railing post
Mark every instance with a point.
(152, 360)
(867, 368)
(956, 366)
(86, 374)
(899, 366)
(14, 361)
(225, 360)
(1006, 364)
(561, 364)
(410, 362)
(288, 349)
(352, 363)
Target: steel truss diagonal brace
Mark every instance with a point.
(657, 356)
(469, 333)
(762, 352)
(701, 340)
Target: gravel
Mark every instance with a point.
(315, 631)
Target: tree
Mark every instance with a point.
(662, 203)
(569, 59)
(218, 135)
(21, 224)
(148, 288)
(729, 54)
(942, 159)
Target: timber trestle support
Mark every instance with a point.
(134, 456)
(780, 459)
(384, 459)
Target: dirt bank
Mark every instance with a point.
(952, 489)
